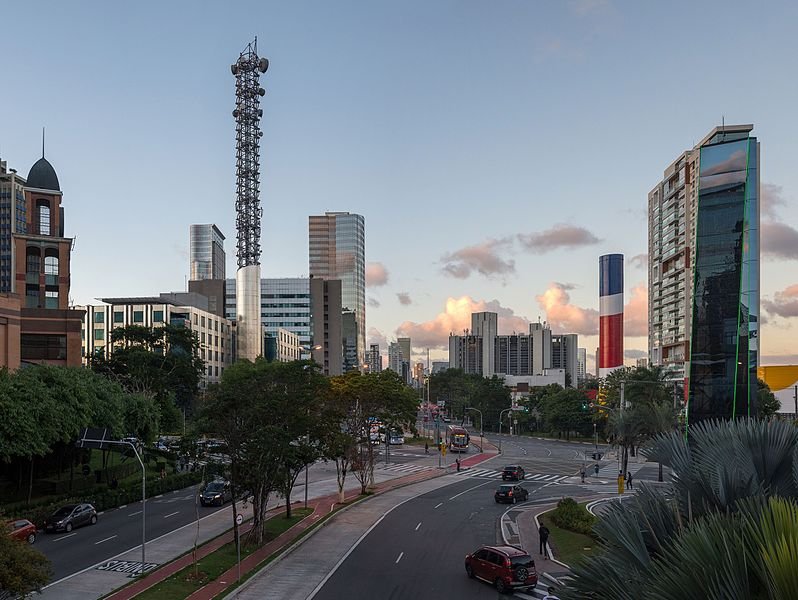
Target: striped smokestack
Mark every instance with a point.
(610, 355)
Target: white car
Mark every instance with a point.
(397, 440)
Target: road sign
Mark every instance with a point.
(239, 519)
(518, 408)
(515, 421)
(441, 403)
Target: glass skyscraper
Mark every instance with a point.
(206, 252)
(337, 250)
(724, 348)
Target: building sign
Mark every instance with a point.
(132, 567)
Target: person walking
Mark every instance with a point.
(543, 532)
(629, 479)
(458, 465)
(550, 595)
(426, 447)
(582, 472)
(596, 467)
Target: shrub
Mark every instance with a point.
(573, 517)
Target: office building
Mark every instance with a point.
(327, 324)
(206, 255)
(439, 366)
(284, 304)
(349, 341)
(213, 332)
(36, 323)
(396, 360)
(374, 359)
(564, 349)
(407, 357)
(641, 363)
(712, 182)
(581, 365)
(337, 250)
(282, 346)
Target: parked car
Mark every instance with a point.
(511, 493)
(22, 530)
(216, 493)
(70, 516)
(513, 473)
(507, 568)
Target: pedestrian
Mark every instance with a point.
(596, 468)
(543, 532)
(550, 595)
(458, 464)
(582, 472)
(426, 447)
(629, 479)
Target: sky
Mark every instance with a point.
(495, 149)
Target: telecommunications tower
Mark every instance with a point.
(247, 113)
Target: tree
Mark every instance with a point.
(726, 529)
(767, 403)
(565, 410)
(23, 570)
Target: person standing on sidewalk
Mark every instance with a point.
(582, 472)
(543, 532)
(550, 595)
(629, 479)
(426, 447)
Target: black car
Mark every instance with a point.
(216, 493)
(513, 473)
(511, 493)
(70, 516)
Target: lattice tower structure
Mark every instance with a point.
(247, 113)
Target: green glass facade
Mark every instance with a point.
(725, 316)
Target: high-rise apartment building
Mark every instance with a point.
(284, 304)
(486, 326)
(564, 347)
(13, 214)
(206, 244)
(374, 359)
(337, 250)
(327, 324)
(396, 359)
(703, 296)
(581, 364)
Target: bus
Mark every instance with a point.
(457, 438)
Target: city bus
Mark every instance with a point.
(457, 438)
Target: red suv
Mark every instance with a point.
(506, 567)
(22, 529)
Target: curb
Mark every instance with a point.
(548, 547)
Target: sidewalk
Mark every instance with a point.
(322, 505)
(530, 540)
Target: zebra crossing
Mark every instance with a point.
(493, 474)
(405, 468)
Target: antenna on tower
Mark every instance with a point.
(42, 142)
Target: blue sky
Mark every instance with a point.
(449, 125)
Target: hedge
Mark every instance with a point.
(573, 516)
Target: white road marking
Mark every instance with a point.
(123, 506)
(105, 540)
(469, 489)
(417, 526)
(63, 537)
(171, 514)
(159, 496)
(102, 512)
(138, 512)
(439, 505)
(401, 554)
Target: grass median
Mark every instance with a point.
(185, 582)
(568, 546)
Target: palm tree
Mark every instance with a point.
(727, 528)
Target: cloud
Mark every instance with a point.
(559, 236)
(404, 298)
(635, 313)
(770, 198)
(376, 274)
(779, 240)
(373, 303)
(784, 303)
(779, 359)
(455, 318)
(483, 258)
(375, 336)
(639, 261)
(583, 8)
(635, 354)
(564, 317)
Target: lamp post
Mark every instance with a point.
(481, 430)
(506, 410)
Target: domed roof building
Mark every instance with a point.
(42, 176)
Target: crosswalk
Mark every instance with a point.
(408, 468)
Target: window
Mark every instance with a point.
(99, 317)
(33, 261)
(44, 217)
(202, 337)
(216, 371)
(157, 316)
(138, 316)
(51, 299)
(210, 371)
(195, 319)
(202, 321)
(119, 317)
(99, 334)
(42, 347)
(50, 264)
(216, 356)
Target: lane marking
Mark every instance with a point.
(438, 505)
(171, 514)
(123, 506)
(469, 489)
(159, 496)
(138, 512)
(105, 540)
(417, 526)
(102, 512)
(401, 554)
(63, 537)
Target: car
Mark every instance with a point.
(216, 493)
(70, 516)
(513, 473)
(397, 440)
(508, 568)
(23, 530)
(447, 420)
(508, 492)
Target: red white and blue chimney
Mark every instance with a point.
(610, 356)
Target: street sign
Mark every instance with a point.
(518, 408)
(239, 519)
(515, 421)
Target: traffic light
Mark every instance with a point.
(584, 405)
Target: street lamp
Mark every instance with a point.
(506, 410)
(481, 430)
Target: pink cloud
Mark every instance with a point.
(375, 336)
(376, 274)
(784, 303)
(484, 258)
(455, 318)
(559, 236)
(564, 317)
(635, 313)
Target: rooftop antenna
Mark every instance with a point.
(42, 142)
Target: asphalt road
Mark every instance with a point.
(418, 549)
